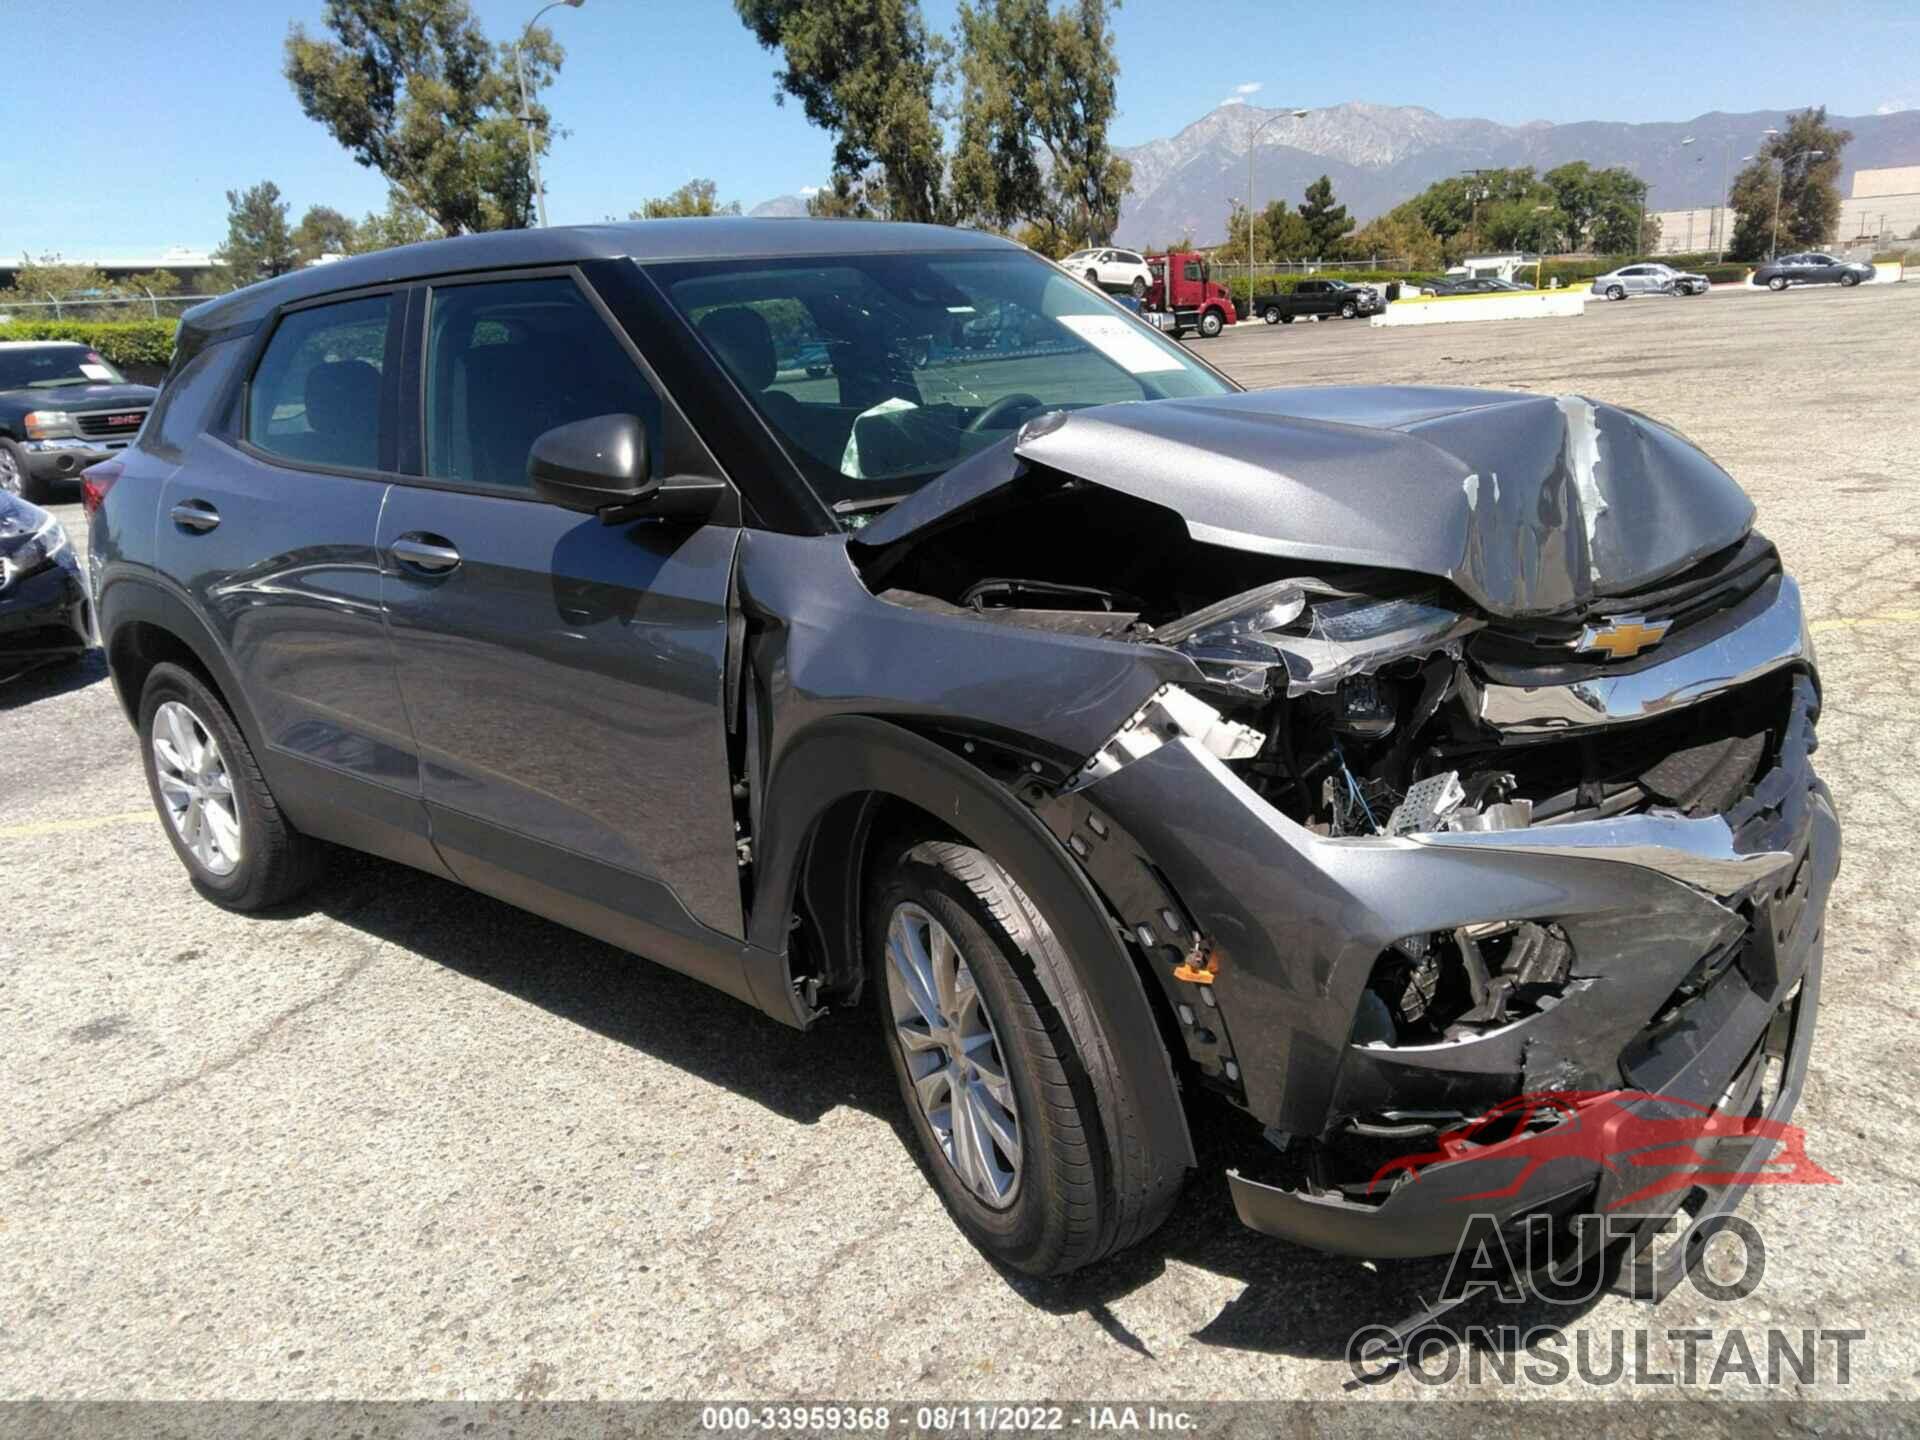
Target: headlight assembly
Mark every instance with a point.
(1309, 637)
(31, 555)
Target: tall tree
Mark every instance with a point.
(695, 198)
(413, 89)
(866, 70)
(401, 223)
(1785, 172)
(1038, 94)
(1328, 224)
(259, 244)
(323, 231)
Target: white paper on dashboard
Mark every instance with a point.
(1121, 343)
(95, 372)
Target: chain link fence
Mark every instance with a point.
(113, 307)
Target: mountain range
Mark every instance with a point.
(1379, 155)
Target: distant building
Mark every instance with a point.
(1884, 206)
(192, 266)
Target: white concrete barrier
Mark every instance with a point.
(1887, 272)
(1453, 309)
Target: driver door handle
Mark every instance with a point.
(424, 553)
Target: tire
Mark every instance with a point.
(1847, 282)
(1211, 324)
(1777, 283)
(1271, 315)
(15, 477)
(1077, 1189)
(1349, 310)
(271, 861)
(1616, 292)
(1139, 288)
(1093, 278)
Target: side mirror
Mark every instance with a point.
(601, 466)
(592, 464)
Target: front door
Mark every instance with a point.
(564, 677)
(271, 529)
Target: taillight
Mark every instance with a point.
(95, 481)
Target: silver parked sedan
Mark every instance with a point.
(1648, 279)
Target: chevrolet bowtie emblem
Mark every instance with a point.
(1624, 636)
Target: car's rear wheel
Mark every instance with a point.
(1616, 292)
(1349, 310)
(15, 477)
(1139, 288)
(1010, 1086)
(1777, 283)
(223, 822)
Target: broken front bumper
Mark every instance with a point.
(1296, 923)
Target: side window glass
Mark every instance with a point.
(316, 397)
(1192, 270)
(508, 361)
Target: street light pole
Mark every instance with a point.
(1252, 145)
(526, 105)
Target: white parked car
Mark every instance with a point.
(1117, 270)
(1648, 279)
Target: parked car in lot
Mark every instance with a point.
(62, 407)
(1317, 297)
(1812, 267)
(1184, 296)
(1126, 743)
(43, 602)
(1470, 285)
(1648, 278)
(1110, 269)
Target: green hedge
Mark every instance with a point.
(128, 344)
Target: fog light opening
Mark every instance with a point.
(1462, 983)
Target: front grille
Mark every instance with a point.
(106, 424)
(1710, 588)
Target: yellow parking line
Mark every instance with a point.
(1850, 622)
(62, 827)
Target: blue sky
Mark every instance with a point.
(136, 149)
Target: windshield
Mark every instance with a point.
(42, 367)
(878, 372)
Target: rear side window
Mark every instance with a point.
(317, 397)
(509, 360)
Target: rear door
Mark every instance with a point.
(270, 525)
(563, 676)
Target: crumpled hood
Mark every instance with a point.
(1528, 504)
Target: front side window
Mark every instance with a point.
(508, 361)
(317, 397)
(877, 372)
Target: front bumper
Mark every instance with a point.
(64, 459)
(1297, 922)
(45, 615)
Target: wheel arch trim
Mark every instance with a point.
(846, 756)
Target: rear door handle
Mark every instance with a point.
(195, 515)
(428, 554)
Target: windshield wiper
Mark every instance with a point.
(871, 502)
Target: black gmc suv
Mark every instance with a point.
(1126, 743)
(62, 407)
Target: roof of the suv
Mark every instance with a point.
(713, 238)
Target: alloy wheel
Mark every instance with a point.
(953, 1055)
(10, 478)
(196, 789)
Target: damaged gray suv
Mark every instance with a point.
(873, 614)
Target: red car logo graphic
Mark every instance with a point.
(1628, 1133)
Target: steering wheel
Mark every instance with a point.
(994, 417)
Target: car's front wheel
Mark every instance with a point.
(1777, 283)
(1212, 323)
(227, 829)
(1349, 310)
(1849, 280)
(1010, 1086)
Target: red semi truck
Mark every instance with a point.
(1184, 295)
